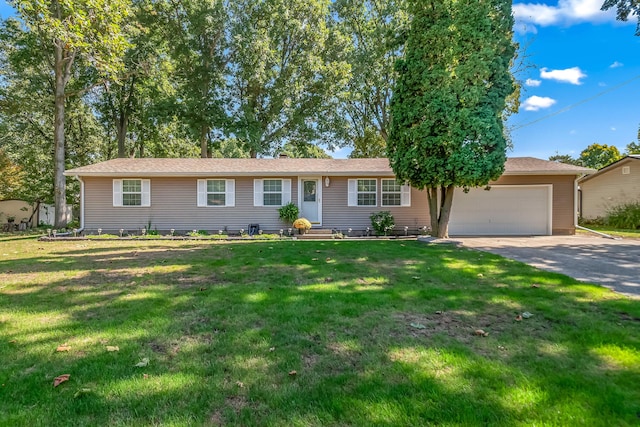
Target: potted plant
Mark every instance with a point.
(289, 212)
(302, 224)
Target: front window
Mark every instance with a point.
(391, 192)
(216, 192)
(366, 192)
(131, 192)
(272, 192)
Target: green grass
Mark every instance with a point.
(630, 234)
(224, 324)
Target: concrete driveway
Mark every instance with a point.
(611, 263)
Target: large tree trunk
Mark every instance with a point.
(204, 149)
(121, 133)
(440, 210)
(59, 182)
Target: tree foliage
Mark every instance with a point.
(597, 156)
(565, 158)
(624, 9)
(373, 30)
(71, 31)
(284, 77)
(447, 107)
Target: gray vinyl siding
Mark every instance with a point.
(337, 214)
(609, 189)
(563, 217)
(174, 205)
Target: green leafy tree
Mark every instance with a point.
(283, 75)
(447, 128)
(303, 150)
(198, 36)
(373, 30)
(624, 9)
(370, 145)
(633, 148)
(597, 156)
(72, 31)
(565, 158)
(10, 176)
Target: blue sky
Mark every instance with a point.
(581, 78)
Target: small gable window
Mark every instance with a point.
(626, 170)
(271, 192)
(216, 192)
(132, 192)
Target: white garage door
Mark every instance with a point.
(503, 210)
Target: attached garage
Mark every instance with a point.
(503, 210)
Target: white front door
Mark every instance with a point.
(310, 203)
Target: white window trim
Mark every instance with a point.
(352, 199)
(230, 193)
(258, 192)
(145, 187)
(405, 194)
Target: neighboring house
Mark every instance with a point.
(532, 197)
(18, 210)
(613, 185)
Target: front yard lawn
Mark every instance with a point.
(306, 333)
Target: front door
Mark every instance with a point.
(311, 193)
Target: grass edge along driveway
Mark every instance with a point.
(306, 333)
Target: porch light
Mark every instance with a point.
(327, 181)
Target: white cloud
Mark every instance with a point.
(602, 84)
(532, 82)
(535, 103)
(613, 129)
(616, 64)
(566, 12)
(568, 75)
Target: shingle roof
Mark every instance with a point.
(625, 159)
(288, 166)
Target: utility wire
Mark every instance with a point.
(611, 89)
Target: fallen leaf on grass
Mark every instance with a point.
(13, 342)
(418, 325)
(144, 362)
(481, 333)
(535, 285)
(518, 318)
(145, 376)
(328, 259)
(59, 380)
(314, 259)
(63, 347)
(526, 315)
(272, 349)
(113, 348)
(240, 384)
(293, 373)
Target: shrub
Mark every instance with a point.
(626, 216)
(302, 224)
(289, 212)
(382, 222)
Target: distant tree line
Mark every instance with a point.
(597, 156)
